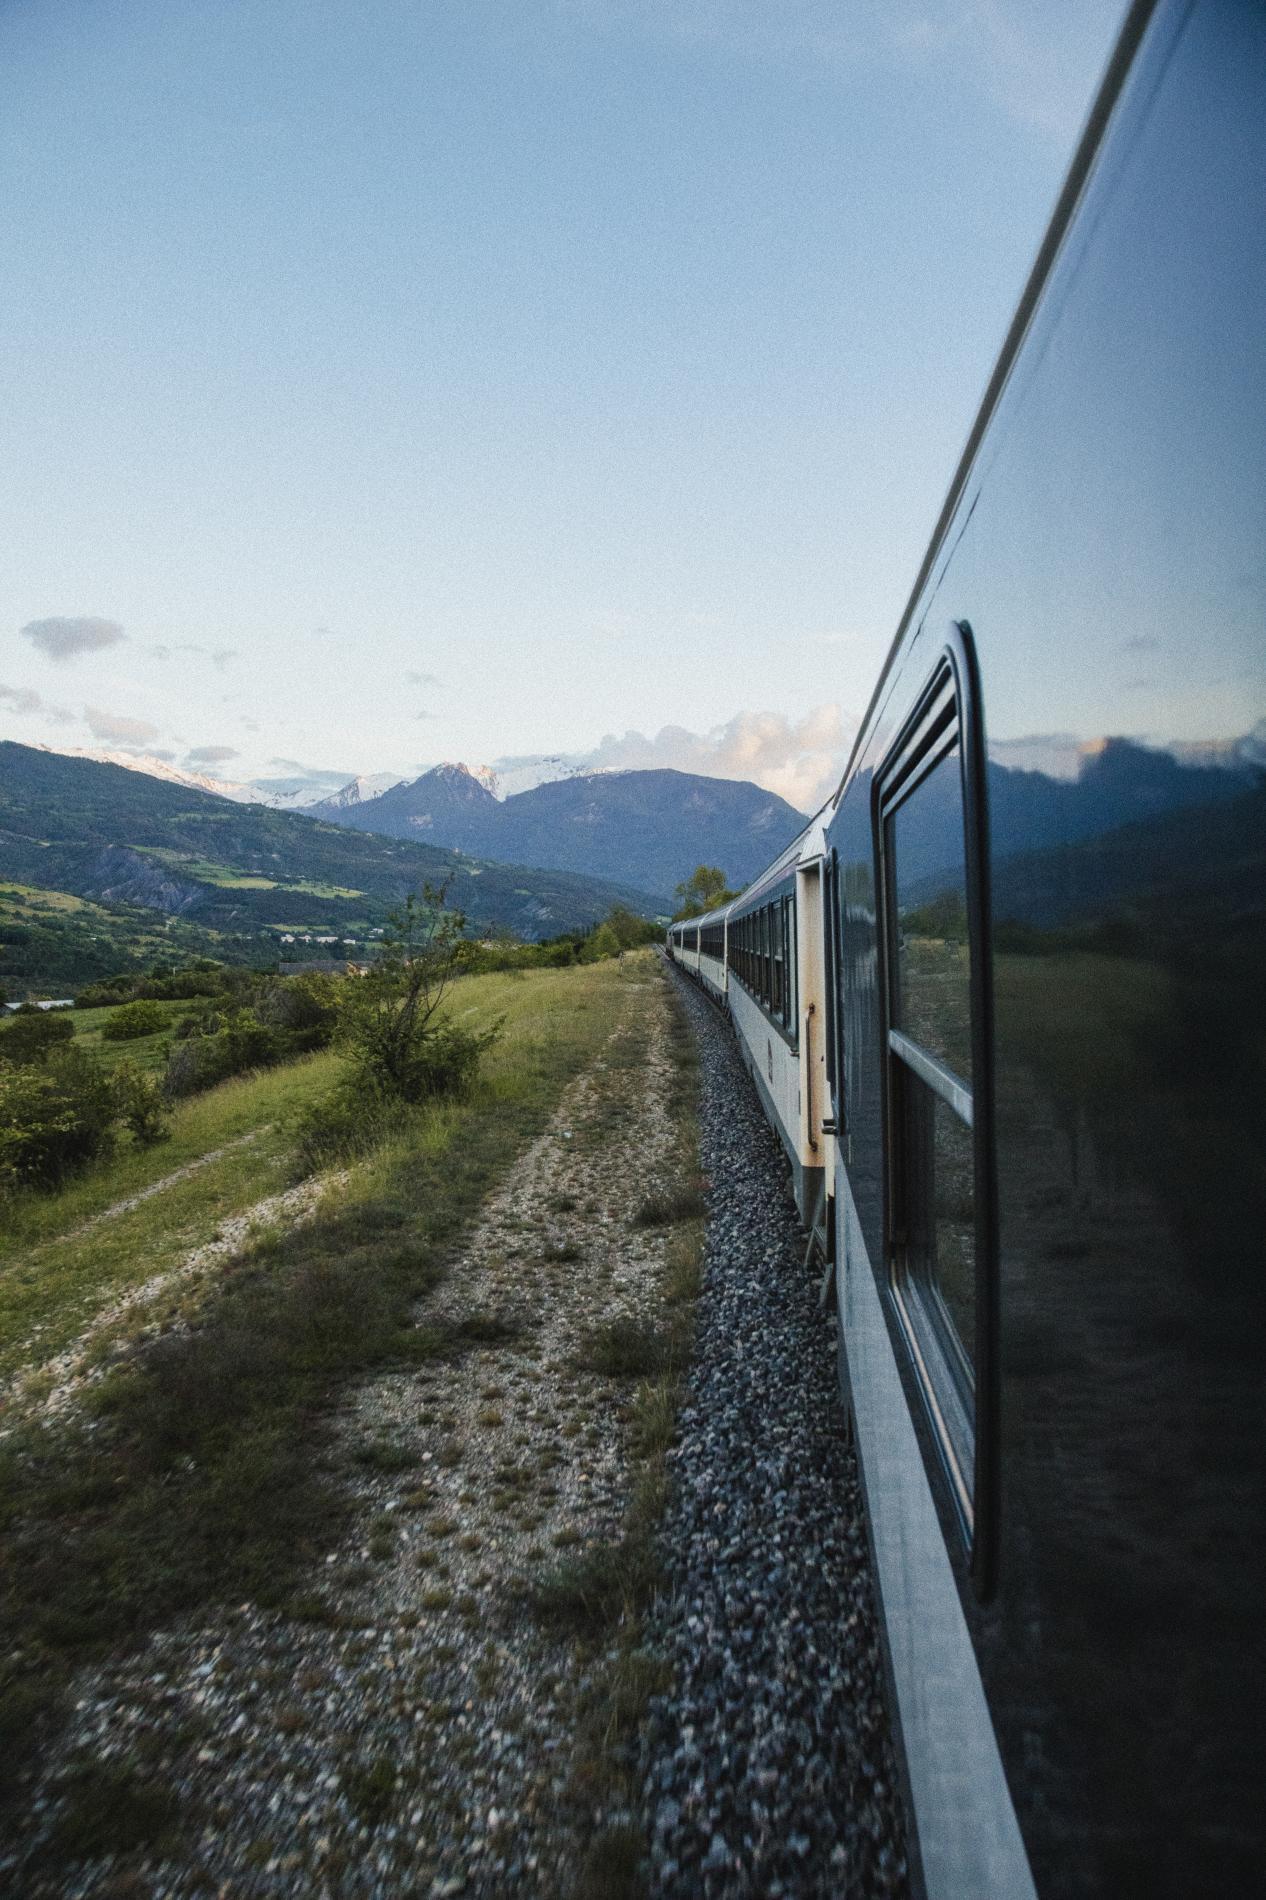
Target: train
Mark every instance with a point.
(1002, 1000)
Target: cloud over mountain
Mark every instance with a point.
(211, 754)
(24, 699)
(799, 759)
(63, 637)
(118, 728)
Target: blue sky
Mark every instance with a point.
(388, 382)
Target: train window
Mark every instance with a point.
(779, 960)
(932, 975)
(793, 987)
(932, 867)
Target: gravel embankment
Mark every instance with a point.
(770, 1768)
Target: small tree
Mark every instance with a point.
(31, 1036)
(704, 889)
(55, 1116)
(602, 943)
(134, 1020)
(388, 1019)
(139, 1103)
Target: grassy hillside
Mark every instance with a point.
(52, 943)
(120, 839)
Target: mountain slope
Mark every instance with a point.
(114, 835)
(651, 828)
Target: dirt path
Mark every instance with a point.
(160, 1187)
(57, 1384)
(413, 1732)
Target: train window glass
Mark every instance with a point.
(929, 1054)
(932, 977)
(793, 986)
(931, 914)
(779, 960)
(938, 1240)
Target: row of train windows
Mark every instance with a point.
(712, 941)
(762, 955)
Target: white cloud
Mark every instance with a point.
(65, 636)
(118, 728)
(24, 699)
(799, 759)
(211, 754)
(218, 656)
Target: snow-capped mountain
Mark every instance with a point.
(524, 772)
(159, 768)
(364, 786)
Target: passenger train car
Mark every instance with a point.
(1003, 1001)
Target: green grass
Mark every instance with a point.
(203, 1481)
(56, 1272)
(23, 900)
(224, 877)
(150, 1052)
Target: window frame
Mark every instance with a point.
(762, 942)
(947, 711)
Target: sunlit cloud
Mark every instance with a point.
(119, 728)
(801, 760)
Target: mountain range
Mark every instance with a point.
(646, 829)
(123, 837)
(305, 789)
(655, 826)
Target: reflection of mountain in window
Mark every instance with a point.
(933, 1212)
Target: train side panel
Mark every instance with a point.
(1049, 859)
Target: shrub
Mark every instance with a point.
(141, 1018)
(304, 1007)
(139, 1104)
(351, 1121)
(200, 1061)
(32, 1035)
(112, 989)
(444, 1062)
(55, 1117)
(388, 1018)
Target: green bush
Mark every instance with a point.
(348, 1123)
(55, 1117)
(32, 1035)
(133, 1020)
(139, 1103)
(443, 1062)
(388, 1018)
(304, 1007)
(200, 1061)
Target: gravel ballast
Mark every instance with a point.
(770, 1767)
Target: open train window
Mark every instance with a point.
(932, 862)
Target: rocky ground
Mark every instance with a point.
(413, 1726)
(769, 1768)
(411, 1730)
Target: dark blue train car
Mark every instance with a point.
(1049, 936)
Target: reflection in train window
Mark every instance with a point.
(932, 987)
(932, 1193)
